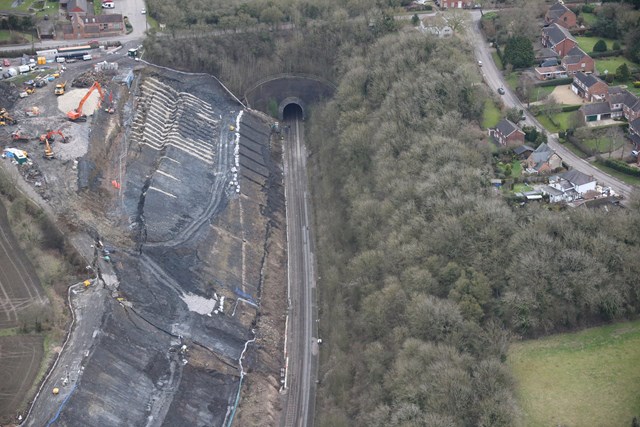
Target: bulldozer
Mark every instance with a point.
(18, 136)
(60, 87)
(76, 115)
(6, 119)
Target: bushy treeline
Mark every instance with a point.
(241, 59)
(425, 273)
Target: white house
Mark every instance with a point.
(569, 186)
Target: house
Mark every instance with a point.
(581, 182)
(634, 132)
(561, 15)
(620, 103)
(94, 26)
(507, 133)
(545, 54)
(46, 30)
(558, 39)
(543, 159)
(589, 87)
(550, 73)
(577, 60)
(596, 111)
(77, 8)
(569, 186)
(523, 151)
(437, 26)
(456, 4)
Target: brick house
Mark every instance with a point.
(456, 4)
(561, 15)
(94, 26)
(558, 39)
(619, 103)
(550, 73)
(589, 87)
(631, 108)
(507, 133)
(77, 8)
(576, 60)
(634, 132)
(543, 159)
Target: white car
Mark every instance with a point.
(143, 11)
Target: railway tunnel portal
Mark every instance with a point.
(285, 94)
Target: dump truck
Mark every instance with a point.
(59, 90)
(5, 119)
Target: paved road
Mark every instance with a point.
(128, 8)
(302, 347)
(494, 80)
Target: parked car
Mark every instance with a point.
(143, 11)
(479, 63)
(501, 90)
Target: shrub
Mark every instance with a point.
(555, 82)
(587, 8)
(609, 77)
(600, 46)
(636, 84)
(568, 108)
(606, 54)
(615, 46)
(622, 73)
(619, 166)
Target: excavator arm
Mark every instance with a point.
(76, 114)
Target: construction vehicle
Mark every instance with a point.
(76, 115)
(110, 108)
(48, 152)
(18, 136)
(60, 87)
(47, 138)
(41, 82)
(5, 119)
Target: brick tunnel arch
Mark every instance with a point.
(274, 93)
(291, 101)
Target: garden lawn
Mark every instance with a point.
(603, 144)
(561, 121)
(521, 188)
(491, 114)
(587, 43)
(589, 18)
(611, 64)
(588, 378)
(516, 168)
(512, 80)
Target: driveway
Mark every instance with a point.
(494, 79)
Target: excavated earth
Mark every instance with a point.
(190, 189)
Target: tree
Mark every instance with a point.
(622, 72)
(615, 46)
(600, 46)
(272, 16)
(632, 42)
(514, 114)
(519, 52)
(415, 20)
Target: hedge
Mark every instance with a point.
(568, 108)
(556, 82)
(619, 166)
(16, 53)
(606, 54)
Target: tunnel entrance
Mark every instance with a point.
(292, 111)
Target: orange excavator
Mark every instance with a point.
(49, 135)
(76, 115)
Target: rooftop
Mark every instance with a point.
(506, 127)
(557, 33)
(596, 108)
(587, 79)
(576, 177)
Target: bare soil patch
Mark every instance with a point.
(21, 356)
(564, 95)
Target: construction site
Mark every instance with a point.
(173, 192)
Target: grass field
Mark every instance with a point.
(611, 64)
(629, 179)
(521, 188)
(589, 378)
(516, 168)
(491, 114)
(561, 120)
(50, 7)
(497, 60)
(603, 144)
(587, 43)
(5, 36)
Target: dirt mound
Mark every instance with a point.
(70, 100)
(88, 78)
(8, 95)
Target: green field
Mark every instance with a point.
(491, 114)
(603, 144)
(561, 120)
(589, 378)
(587, 43)
(5, 36)
(50, 7)
(611, 64)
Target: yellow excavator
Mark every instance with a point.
(5, 119)
(48, 152)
